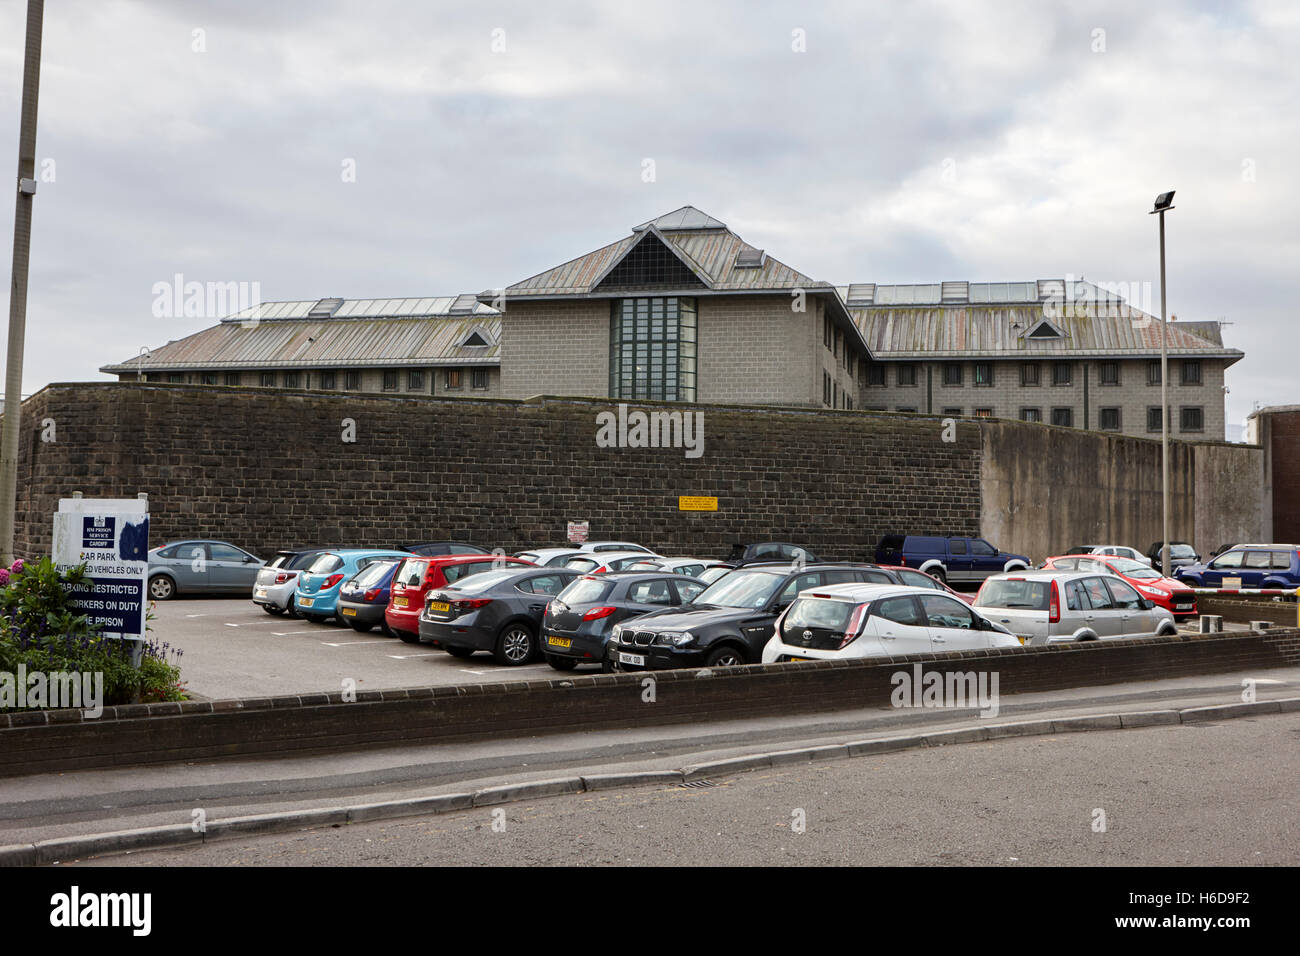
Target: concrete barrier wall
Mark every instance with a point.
(62, 740)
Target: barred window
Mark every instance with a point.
(1193, 418)
(1108, 373)
(1063, 416)
(1191, 371)
(907, 375)
(1110, 419)
(1031, 414)
(415, 380)
(1062, 373)
(1029, 373)
(983, 373)
(478, 378)
(952, 373)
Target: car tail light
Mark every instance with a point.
(330, 581)
(596, 613)
(471, 604)
(372, 594)
(1054, 607)
(281, 578)
(980, 592)
(855, 622)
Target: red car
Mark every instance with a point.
(417, 575)
(1171, 594)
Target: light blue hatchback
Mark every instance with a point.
(317, 596)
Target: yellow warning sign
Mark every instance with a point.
(696, 503)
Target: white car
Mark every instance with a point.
(598, 562)
(693, 567)
(1048, 607)
(548, 557)
(1119, 551)
(613, 546)
(843, 621)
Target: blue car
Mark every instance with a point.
(1246, 566)
(364, 596)
(950, 559)
(317, 595)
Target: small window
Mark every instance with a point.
(1108, 373)
(1031, 414)
(952, 413)
(826, 331)
(292, 379)
(1109, 419)
(1063, 416)
(1153, 373)
(1029, 374)
(1192, 418)
(835, 346)
(1153, 418)
(232, 378)
(906, 375)
(984, 373)
(352, 381)
(268, 379)
(983, 413)
(415, 380)
(478, 378)
(451, 379)
(875, 375)
(390, 380)
(900, 610)
(327, 380)
(826, 387)
(1062, 373)
(956, 545)
(178, 378)
(209, 378)
(906, 408)
(952, 373)
(1191, 371)
(835, 394)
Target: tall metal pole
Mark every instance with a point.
(1164, 405)
(26, 188)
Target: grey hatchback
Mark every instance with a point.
(201, 566)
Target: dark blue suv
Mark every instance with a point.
(1246, 566)
(955, 559)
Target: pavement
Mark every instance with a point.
(59, 806)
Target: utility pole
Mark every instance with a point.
(1164, 203)
(18, 286)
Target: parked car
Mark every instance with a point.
(432, 548)
(496, 610)
(1048, 607)
(601, 561)
(919, 579)
(1255, 565)
(692, 567)
(277, 580)
(200, 566)
(548, 557)
(1113, 550)
(364, 596)
(579, 619)
(742, 554)
(956, 559)
(709, 575)
(613, 546)
(316, 597)
(1222, 548)
(1170, 593)
(879, 620)
(417, 576)
(728, 623)
(1180, 553)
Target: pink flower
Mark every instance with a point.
(4, 577)
(17, 566)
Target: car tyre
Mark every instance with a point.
(162, 588)
(361, 628)
(461, 652)
(725, 657)
(938, 574)
(272, 609)
(561, 663)
(408, 638)
(516, 645)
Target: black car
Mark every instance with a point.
(579, 620)
(1180, 553)
(728, 623)
(768, 551)
(362, 599)
(432, 549)
(498, 611)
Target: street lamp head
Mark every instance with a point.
(1164, 202)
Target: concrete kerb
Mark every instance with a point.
(69, 848)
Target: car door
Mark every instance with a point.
(1226, 565)
(959, 560)
(899, 624)
(1135, 620)
(951, 624)
(190, 564)
(230, 569)
(652, 594)
(1254, 566)
(687, 591)
(984, 559)
(1102, 616)
(538, 591)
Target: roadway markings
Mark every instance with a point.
(466, 670)
(350, 643)
(287, 633)
(404, 657)
(228, 624)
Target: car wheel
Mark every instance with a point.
(561, 663)
(272, 609)
(461, 652)
(606, 666)
(388, 631)
(162, 588)
(725, 657)
(938, 574)
(291, 610)
(361, 628)
(408, 638)
(515, 645)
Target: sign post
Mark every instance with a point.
(110, 536)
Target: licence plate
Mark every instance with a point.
(305, 602)
(559, 642)
(261, 592)
(436, 605)
(349, 612)
(637, 660)
(799, 659)
(1184, 607)
(399, 601)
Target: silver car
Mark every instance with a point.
(1047, 607)
(278, 579)
(200, 567)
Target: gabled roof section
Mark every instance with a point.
(651, 263)
(688, 217)
(1044, 328)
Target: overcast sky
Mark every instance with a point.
(489, 141)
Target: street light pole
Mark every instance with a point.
(1164, 203)
(18, 286)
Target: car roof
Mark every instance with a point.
(634, 575)
(864, 591)
(1047, 574)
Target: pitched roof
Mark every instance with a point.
(278, 335)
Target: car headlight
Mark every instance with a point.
(616, 633)
(674, 638)
(1151, 591)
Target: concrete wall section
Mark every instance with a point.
(1229, 496)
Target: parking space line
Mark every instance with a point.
(403, 657)
(287, 633)
(228, 624)
(466, 670)
(350, 643)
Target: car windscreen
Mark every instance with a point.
(1134, 569)
(325, 563)
(807, 612)
(749, 589)
(373, 574)
(582, 564)
(1010, 593)
(1181, 551)
(410, 573)
(585, 591)
(279, 561)
(485, 580)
